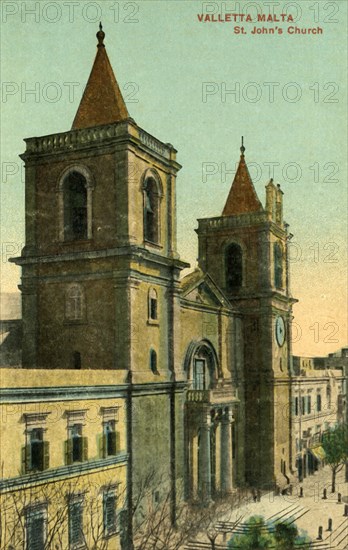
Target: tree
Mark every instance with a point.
(153, 526)
(155, 530)
(288, 537)
(211, 517)
(259, 534)
(255, 535)
(53, 500)
(335, 445)
(285, 535)
(15, 506)
(151, 514)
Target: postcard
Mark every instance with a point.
(174, 355)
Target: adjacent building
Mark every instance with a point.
(63, 459)
(319, 402)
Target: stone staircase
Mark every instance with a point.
(338, 540)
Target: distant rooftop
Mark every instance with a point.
(10, 306)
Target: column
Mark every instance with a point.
(204, 464)
(226, 452)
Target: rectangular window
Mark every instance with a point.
(76, 445)
(36, 449)
(76, 523)
(303, 405)
(318, 402)
(109, 512)
(36, 528)
(36, 452)
(110, 438)
(199, 374)
(76, 437)
(309, 407)
(296, 406)
(110, 444)
(153, 308)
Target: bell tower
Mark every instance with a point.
(100, 246)
(100, 269)
(245, 252)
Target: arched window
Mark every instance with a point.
(152, 305)
(153, 361)
(278, 265)
(74, 303)
(151, 211)
(202, 365)
(234, 267)
(75, 207)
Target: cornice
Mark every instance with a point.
(75, 393)
(62, 472)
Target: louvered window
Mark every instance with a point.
(75, 523)
(35, 529)
(109, 512)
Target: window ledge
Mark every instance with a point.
(153, 322)
(154, 245)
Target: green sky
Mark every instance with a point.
(164, 60)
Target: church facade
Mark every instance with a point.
(201, 362)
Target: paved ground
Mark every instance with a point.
(310, 512)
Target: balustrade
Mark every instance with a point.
(85, 136)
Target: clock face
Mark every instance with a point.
(280, 330)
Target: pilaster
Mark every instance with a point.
(204, 460)
(226, 452)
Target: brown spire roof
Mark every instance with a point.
(102, 101)
(242, 197)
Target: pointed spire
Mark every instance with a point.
(102, 101)
(242, 197)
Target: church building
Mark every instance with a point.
(202, 362)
